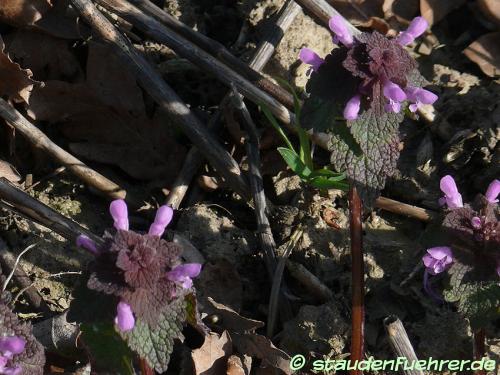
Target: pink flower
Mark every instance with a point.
(419, 96)
(309, 57)
(437, 259)
(452, 197)
(417, 27)
(184, 273)
(395, 95)
(119, 212)
(475, 222)
(88, 244)
(352, 107)
(162, 219)
(9, 347)
(124, 317)
(339, 27)
(493, 191)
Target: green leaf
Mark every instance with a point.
(327, 183)
(276, 126)
(155, 343)
(294, 162)
(107, 350)
(324, 172)
(481, 304)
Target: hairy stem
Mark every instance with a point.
(358, 290)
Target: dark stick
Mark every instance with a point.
(216, 49)
(24, 204)
(479, 348)
(400, 342)
(194, 158)
(358, 280)
(265, 234)
(74, 165)
(23, 281)
(165, 97)
(156, 31)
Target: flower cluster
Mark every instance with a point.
(9, 347)
(374, 60)
(141, 269)
(481, 226)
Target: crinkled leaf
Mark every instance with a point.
(155, 343)
(480, 304)
(107, 350)
(32, 359)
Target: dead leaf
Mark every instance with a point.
(221, 281)
(230, 319)
(47, 57)
(236, 367)
(485, 52)
(261, 347)
(61, 21)
(8, 171)
(401, 9)
(377, 24)
(358, 11)
(15, 82)
(491, 9)
(23, 12)
(435, 10)
(210, 359)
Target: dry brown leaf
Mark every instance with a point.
(61, 21)
(8, 171)
(15, 82)
(358, 11)
(435, 10)
(211, 358)
(230, 319)
(491, 9)
(235, 366)
(23, 12)
(47, 57)
(261, 347)
(221, 281)
(485, 52)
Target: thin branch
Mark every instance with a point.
(165, 97)
(14, 266)
(358, 278)
(194, 158)
(74, 165)
(218, 50)
(404, 209)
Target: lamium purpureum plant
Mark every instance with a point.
(358, 94)
(470, 255)
(141, 288)
(20, 352)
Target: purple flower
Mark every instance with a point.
(395, 95)
(162, 219)
(119, 212)
(124, 317)
(339, 27)
(417, 27)
(419, 96)
(351, 109)
(9, 347)
(437, 259)
(184, 273)
(475, 222)
(493, 191)
(309, 57)
(88, 244)
(452, 197)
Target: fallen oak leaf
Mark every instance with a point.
(23, 12)
(261, 347)
(210, 359)
(491, 9)
(435, 10)
(8, 171)
(15, 82)
(229, 319)
(485, 52)
(235, 366)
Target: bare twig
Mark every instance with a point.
(8, 262)
(404, 209)
(262, 55)
(165, 97)
(310, 282)
(400, 343)
(218, 50)
(18, 201)
(16, 263)
(358, 278)
(74, 165)
(264, 232)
